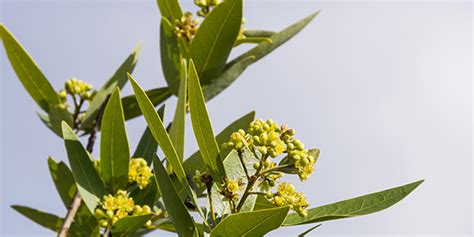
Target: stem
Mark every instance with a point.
(276, 168)
(209, 195)
(258, 193)
(243, 165)
(253, 179)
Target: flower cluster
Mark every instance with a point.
(186, 27)
(270, 139)
(229, 189)
(139, 172)
(286, 195)
(75, 87)
(206, 6)
(115, 207)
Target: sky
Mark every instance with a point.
(384, 89)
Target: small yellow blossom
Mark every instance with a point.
(186, 27)
(286, 195)
(139, 172)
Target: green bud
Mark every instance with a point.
(273, 153)
(256, 165)
(269, 195)
(263, 150)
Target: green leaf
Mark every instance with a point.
(195, 162)
(44, 219)
(177, 130)
(129, 225)
(215, 39)
(277, 39)
(202, 127)
(258, 33)
(256, 223)
(130, 105)
(147, 145)
(183, 222)
(28, 72)
(56, 116)
(159, 133)
(170, 55)
(148, 196)
(119, 79)
(114, 149)
(227, 77)
(308, 230)
(262, 203)
(88, 182)
(237, 66)
(358, 206)
(63, 180)
(170, 9)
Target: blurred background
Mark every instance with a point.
(383, 88)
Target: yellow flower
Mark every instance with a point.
(139, 172)
(286, 195)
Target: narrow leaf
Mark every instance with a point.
(56, 116)
(129, 225)
(44, 219)
(202, 127)
(28, 72)
(170, 55)
(177, 131)
(63, 180)
(114, 149)
(158, 131)
(215, 38)
(85, 223)
(183, 222)
(147, 146)
(309, 230)
(88, 182)
(118, 79)
(170, 9)
(256, 223)
(258, 33)
(130, 105)
(358, 206)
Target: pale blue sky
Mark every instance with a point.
(384, 89)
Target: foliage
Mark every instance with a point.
(238, 173)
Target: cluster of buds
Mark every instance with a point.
(139, 172)
(230, 188)
(115, 207)
(206, 6)
(186, 27)
(286, 195)
(75, 87)
(270, 179)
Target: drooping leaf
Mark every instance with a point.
(88, 182)
(158, 131)
(358, 206)
(237, 66)
(56, 116)
(256, 223)
(195, 162)
(130, 105)
(170, 55)
(28, 72)
(215, 38)
(147, 146)
(227, 77)
(114, 149)
(202, 126)
(63, 180)
(44, 219)
(177, 130)
(180, 216)
(119, 79)
(129, 225)
(170, 9)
